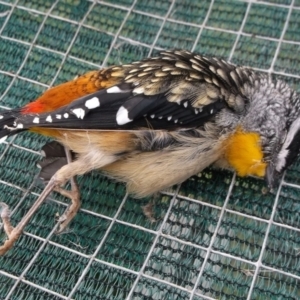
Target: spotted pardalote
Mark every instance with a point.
(156, 122)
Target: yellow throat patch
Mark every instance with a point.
(243, 153)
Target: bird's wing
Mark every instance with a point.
(176, 89)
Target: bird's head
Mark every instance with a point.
(266, 136)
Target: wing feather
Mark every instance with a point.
(177, 89)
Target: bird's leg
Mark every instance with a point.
(72, 210)
(13, 233)
(78, 167)
(74, 195)
(148, 209)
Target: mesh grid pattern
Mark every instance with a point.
(216, 236)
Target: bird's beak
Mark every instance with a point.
(272, 176)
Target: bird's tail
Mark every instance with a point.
(54, 157)
(7, 123)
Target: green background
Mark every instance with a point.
(217, 237)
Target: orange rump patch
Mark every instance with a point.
(65, 93)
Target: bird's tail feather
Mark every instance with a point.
(7, 123)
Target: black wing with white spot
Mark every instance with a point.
(176, 89)
(121, 110)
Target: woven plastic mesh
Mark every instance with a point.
(216, 236)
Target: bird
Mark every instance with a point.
(156, 122)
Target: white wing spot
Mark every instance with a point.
(66, 115)
(36, 120)
(3, 139)
(152, 116)
(113, 89)
(122, 116)
(211, 111)
(170, 118)
(49, 119)
(92, 103)
(160, 117)
(196, 111)
(176, 121)
(79, 112)
(20, 126)
(1, 117)
(185, 104)
(58, 116)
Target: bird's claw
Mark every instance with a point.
(11, 232)
(72, 210)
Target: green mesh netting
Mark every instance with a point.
(218, 237)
